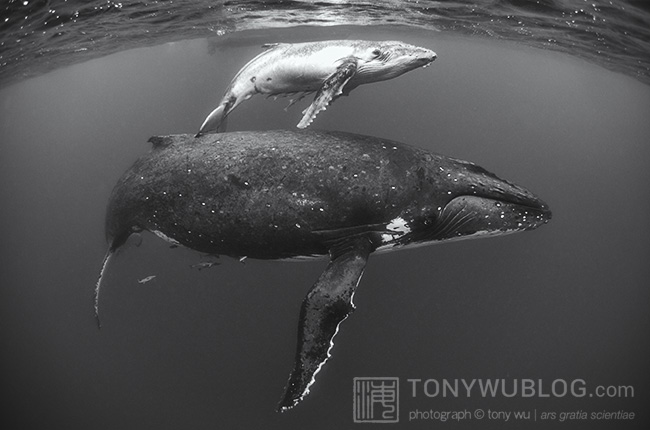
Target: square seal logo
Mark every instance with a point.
(376, 400)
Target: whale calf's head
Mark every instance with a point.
(389, 59)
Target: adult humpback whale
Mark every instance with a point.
(284, 194)
(331, 68)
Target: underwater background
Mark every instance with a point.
(553, 95)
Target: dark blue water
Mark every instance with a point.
(213, 348)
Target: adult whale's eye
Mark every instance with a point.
(376, 52)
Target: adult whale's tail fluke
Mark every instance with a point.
(327, 304)
(107, 258)
(117, 233)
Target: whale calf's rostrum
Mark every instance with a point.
(293, 194)
(329, 68)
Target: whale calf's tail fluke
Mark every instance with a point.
(214, 121)
(217, 120)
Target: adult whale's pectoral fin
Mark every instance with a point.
(332, 88)
(326, 305)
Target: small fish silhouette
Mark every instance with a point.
(204, 265)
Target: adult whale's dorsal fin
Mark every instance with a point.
(326, 305)
(332, 88)
(159, 142)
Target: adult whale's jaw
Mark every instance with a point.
(484, 204)
(469, 217)
(476, 204)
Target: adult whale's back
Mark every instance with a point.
(263, 194)
(283, 194)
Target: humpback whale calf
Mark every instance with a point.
(296, 194)
(329, 68)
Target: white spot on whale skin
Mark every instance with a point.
(399, 226)
(305, 202)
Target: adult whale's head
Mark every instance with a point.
(382, 60)
(283, 194)
(460, 200)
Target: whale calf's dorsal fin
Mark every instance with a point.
(326, 305)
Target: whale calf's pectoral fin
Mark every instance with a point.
(326, 305)
(332, 88)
